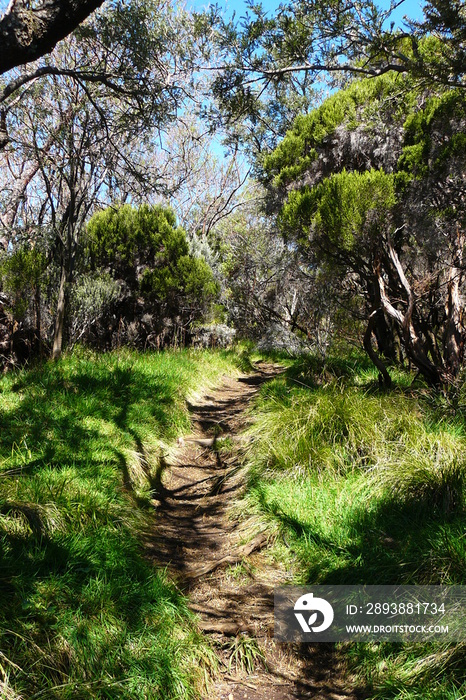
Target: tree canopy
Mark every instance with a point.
(271, 59)
(147, 251)
(370, 186)
(158, 277)
(360, 230)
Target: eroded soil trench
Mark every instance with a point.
(220, 559)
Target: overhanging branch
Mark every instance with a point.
(27, 33)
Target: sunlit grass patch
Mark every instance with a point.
(82, 613)
(367, 487)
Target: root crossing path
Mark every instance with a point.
(220, 558)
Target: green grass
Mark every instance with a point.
(82, 613)
(366, 487)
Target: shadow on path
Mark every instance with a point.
(220, 563)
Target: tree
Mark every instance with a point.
(79, 128)
(370, 187)
(316, 40)
(265, 286)
(139, 54)
(54, 138)
(22, 278)
(149, 256)
(202, 185)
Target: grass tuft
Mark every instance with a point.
(245, 654)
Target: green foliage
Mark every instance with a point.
(297, 150)
(21, 273)
(366, 487)
(82, 613)
(348, 219)
(144, 248)
(343, 207)
(191, 276)
(347, 206)
(121, 238)
(440, 56)
(421, 154)
(121, 41)
(309, 43)
(352, 203)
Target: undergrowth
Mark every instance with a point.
(367, 487)
(82, 613)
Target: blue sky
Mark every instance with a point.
(411, 8)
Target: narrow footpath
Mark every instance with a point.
(219, 558)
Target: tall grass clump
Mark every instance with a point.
(82, 613)
(366, 487)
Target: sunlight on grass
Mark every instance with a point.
(82, 614)
(367, 487)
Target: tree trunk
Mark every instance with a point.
(412, 342)
(60, 315)
(384, 376)
(67, 258)
(383, 328)
(454, 337)
(384, 337)
(38, 319)
(454, 333)
(28, 32)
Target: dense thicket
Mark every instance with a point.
(162, 287)
(89, 128)
(370, 188)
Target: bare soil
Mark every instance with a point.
(220, 559)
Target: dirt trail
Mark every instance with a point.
(221, 562)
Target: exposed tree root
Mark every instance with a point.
(256, 544)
